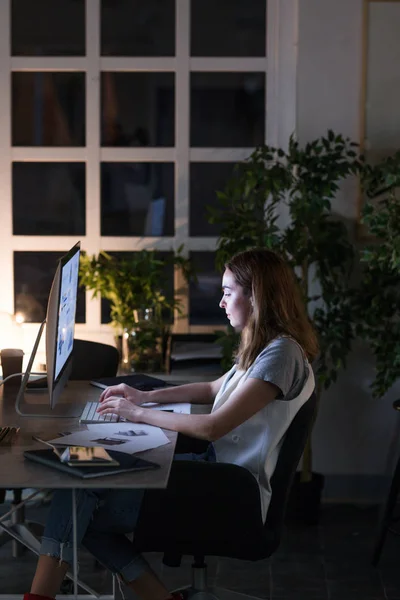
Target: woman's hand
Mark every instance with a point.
(122, 400)
(123, 391)
(123, 407)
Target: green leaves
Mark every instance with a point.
(229, 342)
(376, 301)
(306, 180)
(133, 283)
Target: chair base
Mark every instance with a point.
(199, 590)
(217, 593)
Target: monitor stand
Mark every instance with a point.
(45, 406)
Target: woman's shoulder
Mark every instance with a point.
(283, 345)
(283, 363)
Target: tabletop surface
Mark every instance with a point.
(17, 472)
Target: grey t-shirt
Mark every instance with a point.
(283, 364)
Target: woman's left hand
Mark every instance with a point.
(122, 407)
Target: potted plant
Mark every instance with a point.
(305, 180)
(141, 309)
(376, 299)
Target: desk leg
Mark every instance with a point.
(74, 577)
(75, 544)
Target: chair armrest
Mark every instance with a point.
(185, 444)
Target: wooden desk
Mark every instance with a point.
(16, 472)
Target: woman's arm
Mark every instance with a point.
(196, 393)
(243, 403)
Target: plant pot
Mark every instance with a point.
(304, 501)
(141, 345)
(135, 359)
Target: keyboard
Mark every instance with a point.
(89, 415)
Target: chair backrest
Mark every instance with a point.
(288, 460)
(92, 360)
(191, 350)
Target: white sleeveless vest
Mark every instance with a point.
(255, 444)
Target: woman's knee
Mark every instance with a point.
(117, 511)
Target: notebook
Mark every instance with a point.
(136, 380)
(127, 462)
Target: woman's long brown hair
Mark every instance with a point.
(278, 308)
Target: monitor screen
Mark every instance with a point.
(60, 323)
(66, 310)
(60, 327)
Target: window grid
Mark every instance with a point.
(91, 241)
(6, 254)
(93, 64)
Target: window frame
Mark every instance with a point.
(279, 66)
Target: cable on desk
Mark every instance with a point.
(17, 375)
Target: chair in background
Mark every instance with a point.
(388, 516)
(214, 509)
(193, 351)
(92, 360)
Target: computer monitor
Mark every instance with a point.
(60, 327)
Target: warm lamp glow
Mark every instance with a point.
(19, 318)
(11, 335)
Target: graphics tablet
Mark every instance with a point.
(136, 380)
(127, 462)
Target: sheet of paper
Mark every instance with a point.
(124, 437)
(177, 407)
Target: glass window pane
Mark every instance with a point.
(168, 291)
(33, 276)
(138, 109)
(48, 109)
(206, 179)
(48, 198)
(205, 294)
(138, 28)
(227, 109)
(137, 199)
(242, 23)
(48, 27)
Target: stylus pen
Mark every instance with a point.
(54, 448)
(38, 439)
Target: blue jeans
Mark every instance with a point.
(104, 517)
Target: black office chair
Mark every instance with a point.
(193, 351)
(213, 509)
(92, 360)
(388, 516)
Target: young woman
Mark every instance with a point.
(254, 404)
